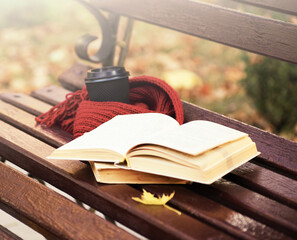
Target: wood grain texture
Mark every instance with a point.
(20, 100)
(276, 151)
(236, 29)
(252, 204)
(5, 234)
(79, 71)
(232, 226)
(42, 94)
(26, 122)
(285, 6)
(76, 179)
(214, 213)
(58, 217)
(266, 182)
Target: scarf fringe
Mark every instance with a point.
(77, 114)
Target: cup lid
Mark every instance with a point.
(107, 72)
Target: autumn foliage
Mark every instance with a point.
(37, 48)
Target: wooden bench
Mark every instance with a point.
(256, 201)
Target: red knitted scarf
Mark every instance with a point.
(77, 114)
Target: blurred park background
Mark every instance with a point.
(37, 41)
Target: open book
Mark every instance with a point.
(154, 143)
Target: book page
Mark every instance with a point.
(200, 161)
(113, 174)
(196, 137)
(122, 132)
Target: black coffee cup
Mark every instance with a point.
(108, 84)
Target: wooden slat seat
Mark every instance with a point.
(113, 200)
(258, 200)
(5, 234)
(276, 152)
(265, 197)
(50, 213)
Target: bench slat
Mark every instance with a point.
(276, 215)
(76, 179)
(21, 99)
(285, 6)
(236, 29)
(276, 152)
(72, 79)
(25, 102)
(266, 182)
(53, 90)
(25, 121)
(280, 155)
(217, 214)
(79, 71)
(50, 213)
(256, 178)
(29, 155)
(260, 179)
(279, 190)
(51, 138)
(5, 234)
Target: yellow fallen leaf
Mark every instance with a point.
(149, 199)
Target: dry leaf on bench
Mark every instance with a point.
(149, 199)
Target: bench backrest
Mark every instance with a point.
(261, 35)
